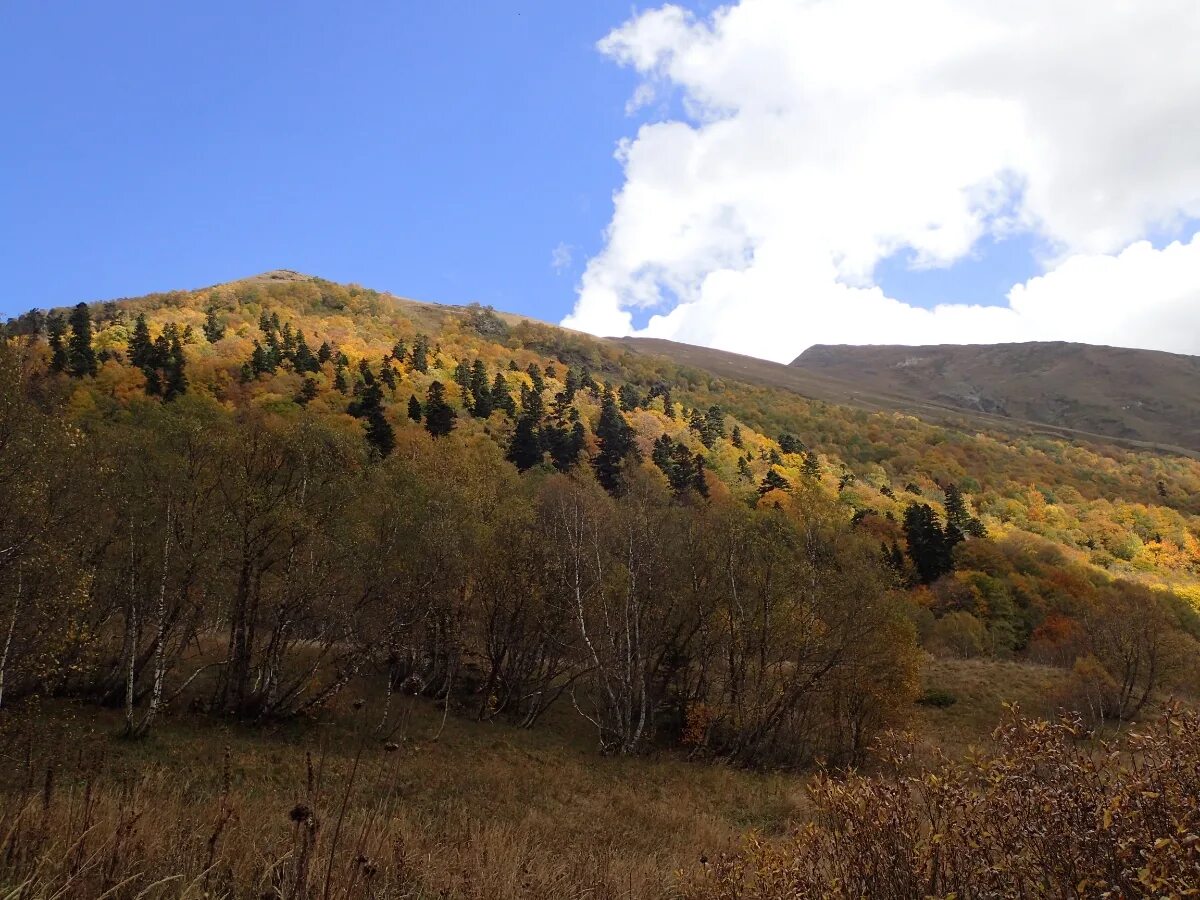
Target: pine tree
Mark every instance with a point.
(260, 360)
(714, 426)
(81, 358)
(56, 330)
(369, 407)
(615, 440)
(303, 358)
(736, 437)
(364, 371)
(812, 466)
(420, 354)
(176, 381)
(930, 547)
(789, 443)
(501, 398)
(213, 329)
(339, 379)
(462, 377)
(481, 391)
(571, 384)
(388, 376)
(525, 448)
(629, 398)
(773, 482)
(535, 377)
(156, 370)
(324, 353)
(399, 352)
(744, 469)
(439, 415)
(308, 391)
(414, 408)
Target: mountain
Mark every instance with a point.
(1136, 395)
(484, 548)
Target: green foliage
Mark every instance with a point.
(439, 415)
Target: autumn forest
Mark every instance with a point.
(240, 515)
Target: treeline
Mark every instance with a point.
(254, 564)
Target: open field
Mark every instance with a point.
(434, 805)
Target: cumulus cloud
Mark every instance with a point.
(818, 137)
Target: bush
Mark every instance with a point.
(1049, 814)
(937, 697)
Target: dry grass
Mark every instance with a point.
(207, 807)
(981, 688)
(484, 811)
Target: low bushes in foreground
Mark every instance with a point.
(1046, 815)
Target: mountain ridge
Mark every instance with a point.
(1146, 396)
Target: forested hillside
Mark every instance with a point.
(260, 503)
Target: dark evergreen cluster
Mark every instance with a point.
(684, 470)
(72, 352)
(561, 433)
(368, 406)
(708, 425)
(281, 345)
(616, 440)
(930, 545)
(161, 359)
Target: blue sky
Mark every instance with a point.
(439, 150)
(460, 152)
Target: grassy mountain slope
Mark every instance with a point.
(1138, 395)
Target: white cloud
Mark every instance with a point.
(821, 136)
(561, 257)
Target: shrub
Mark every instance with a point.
(1048, 814)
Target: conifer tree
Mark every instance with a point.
(260, 360)
(414, 408)
(566, 445)
(308, 391)
(525, 448)
(213, 328)
(176, 381)
(773, 482)
(81, 358)
(420, 354)
(56, 330)
(369, 407)
(629, 398)
(439, 415)
(736, 437)
(812, 465)
(714, 426)
(303, 358)
(324, 353)
(501, 398)
(744, 469)
(615, 440)
(535, 377)
(789, 443)
(388, 375)
(364, 371)
(481, 391)
(339, 379)
(462, 377)
(930, 546)
(399, 352)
